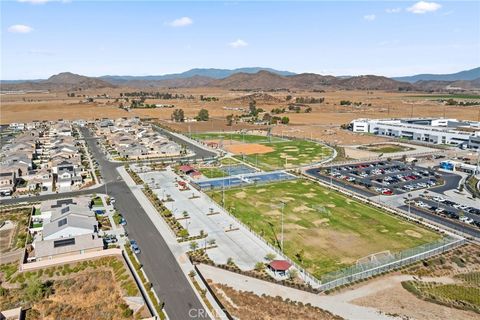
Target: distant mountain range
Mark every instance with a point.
(462, 75)
(207, 73)
(249, 78)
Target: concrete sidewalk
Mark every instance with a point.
(167, 234)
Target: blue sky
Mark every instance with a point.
(149, 38)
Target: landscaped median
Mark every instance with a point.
(138, 269)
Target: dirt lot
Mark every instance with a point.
(321, 123)
(92, 289)
(248, 148)
(246, 305)
(388, 295)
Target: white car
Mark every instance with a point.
(466, 220)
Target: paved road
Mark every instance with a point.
(161, 267)
(169, 282)
(200, 153)
(462, 227)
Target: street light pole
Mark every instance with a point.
(281, 239)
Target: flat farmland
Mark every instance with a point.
(269, 153)
(323, 230)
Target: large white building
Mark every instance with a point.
(465, 134)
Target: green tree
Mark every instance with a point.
(202, 115)
(193, 245)
(259, 266)
(178, 115)
(270, 256)
(285, 120)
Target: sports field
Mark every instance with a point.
(324, 230)
(269, 153)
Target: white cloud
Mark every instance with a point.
(422, 7)
(239, 43)
(20, 28)
(40, 52)
(393, 10)
(369, 17)
(34, 1)
(42, 1)
(181, 22)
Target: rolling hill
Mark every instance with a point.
(462, 75)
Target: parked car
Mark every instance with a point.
(110, 239)
(123, 222)
(135, 247)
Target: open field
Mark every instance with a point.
(231, 137)
(213, 172)
(249, 306)
(441, 284)
(269, 153)
(322, 123)
(92, 289)
(324, 230)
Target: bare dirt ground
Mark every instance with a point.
(248, 148)
(322, 123)
(246, 305)
(396, 300)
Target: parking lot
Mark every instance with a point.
(385, 177)
(447, 208)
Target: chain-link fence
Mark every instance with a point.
(384, 263)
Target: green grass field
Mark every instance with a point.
(213, 172)
(385, 148)
(287, 154)
(324, 230)
(247, 138)
(447, 96)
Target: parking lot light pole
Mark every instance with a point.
(281, 239)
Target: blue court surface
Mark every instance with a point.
(252, 178)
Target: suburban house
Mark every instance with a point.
(7, 182)
(64, 227)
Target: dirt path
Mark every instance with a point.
(331, 303)
(384, 284)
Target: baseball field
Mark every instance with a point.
(323, 230)
(268, 153)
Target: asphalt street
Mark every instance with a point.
(160, 265)
(200, 153)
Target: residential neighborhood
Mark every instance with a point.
(44, 157)
(131, 139)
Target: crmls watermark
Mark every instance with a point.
(203, 314)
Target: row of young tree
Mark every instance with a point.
(155, 95)
(305, 99)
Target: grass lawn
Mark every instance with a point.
(287, 154)
(229, 161)
(247, 138)
(213, 172)
(385, 148)
(98, 202)
(324, 230)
